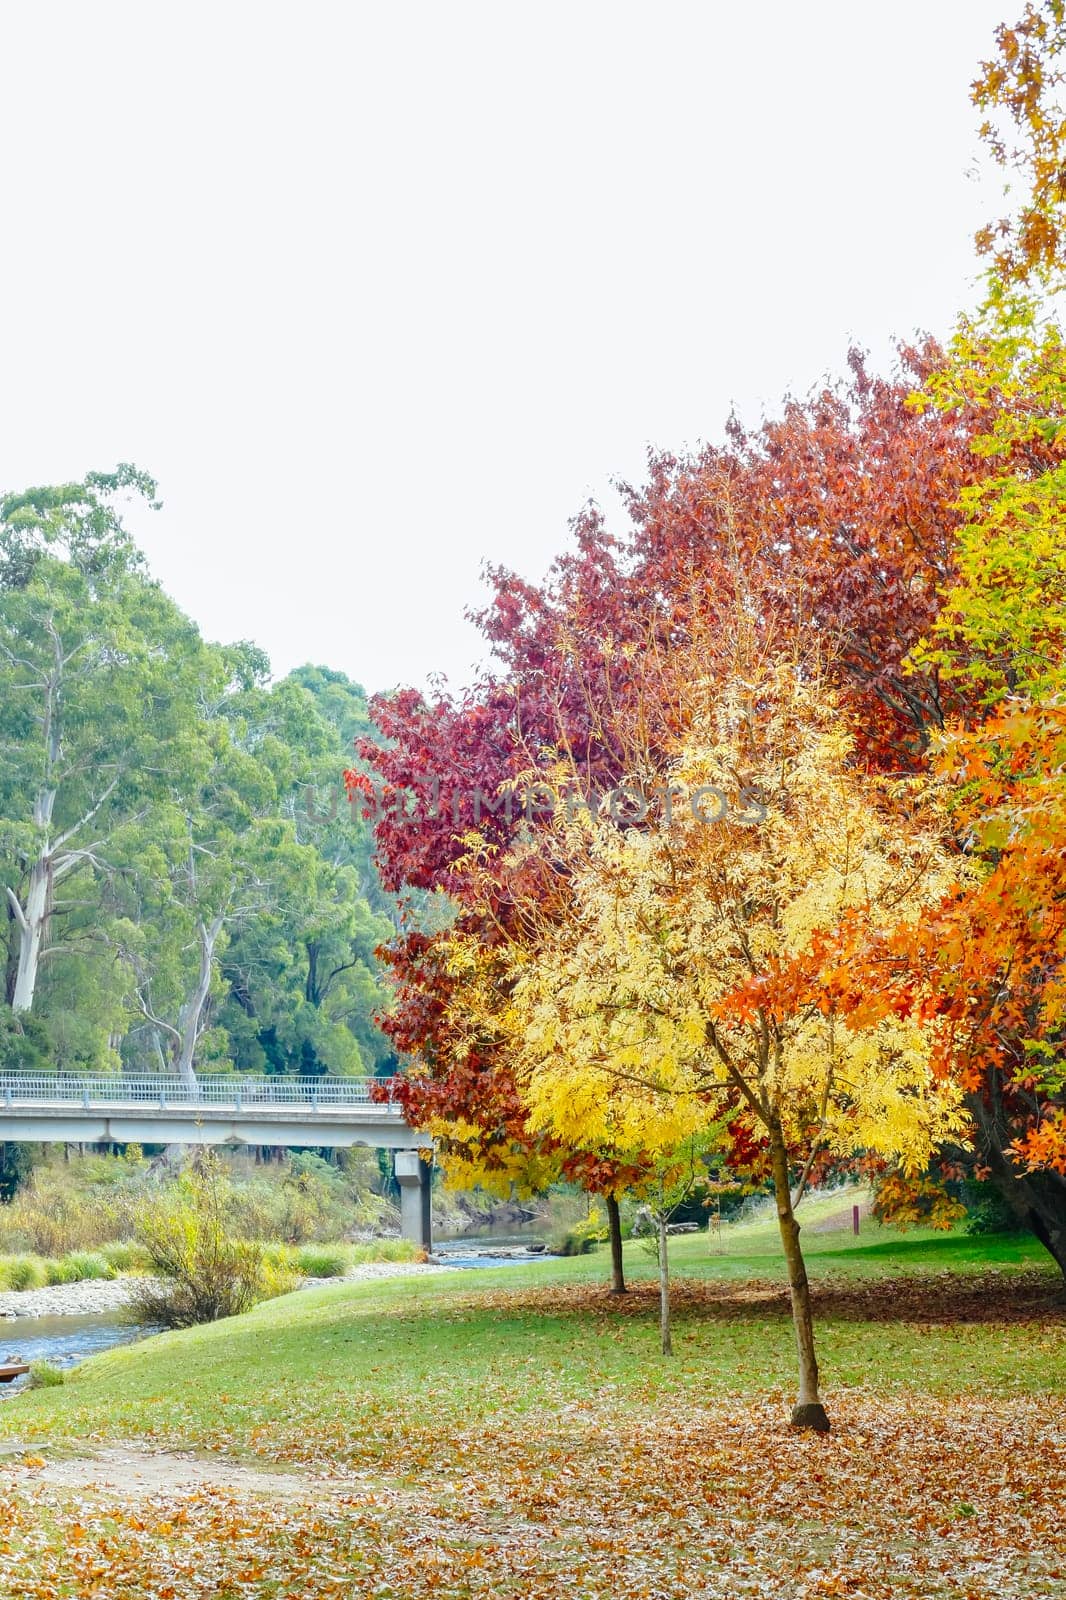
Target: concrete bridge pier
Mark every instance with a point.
(414, 1176)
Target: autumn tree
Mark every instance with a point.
(1018, 90)
(997, 949)
(441, 770)
(690, 988)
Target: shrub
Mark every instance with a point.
(987, 1211)
(580, 1237)
(386, 1250)
(126, 1256)
(22, 1272)
(319, 1261)
(279, 1277)
(65, 1207)
(79, 1267)
(44, 1376)
(89, 1202)
(203, 1273)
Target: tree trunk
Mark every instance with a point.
(11, 953)
(1036, 1199)
(614, 1226)
(32, 919)
(664, 1285)
(192, 1013)
(808, 1411)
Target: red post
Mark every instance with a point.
(855, 1219)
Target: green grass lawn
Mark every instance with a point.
(345, 1366)
(524, 1393)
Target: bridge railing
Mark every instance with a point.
(236, 1091)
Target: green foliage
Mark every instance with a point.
(19, 1273)
(16, 1162)
(987, 1212)
(706, 1199)
(79, 1267)
(44, 1376)
(24, 1041)
(580, 1237)
(204, 1274)
(153, 806)
(318, 1261)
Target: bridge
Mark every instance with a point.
(234, 1111)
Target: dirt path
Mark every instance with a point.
(134, 1473)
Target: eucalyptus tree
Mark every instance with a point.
(305, 984)
(101, 680)
(170, 899)
(212, 858)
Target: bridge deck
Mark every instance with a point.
(234, 1089)
(235, 1109)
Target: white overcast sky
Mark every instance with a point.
(380, 291)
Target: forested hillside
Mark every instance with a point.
(183, 890)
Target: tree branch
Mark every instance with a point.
(16, 906)
(83, 820)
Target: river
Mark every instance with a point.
(65, 1341)
(62, 1341)
(490, 1249)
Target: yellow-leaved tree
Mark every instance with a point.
(702, 971)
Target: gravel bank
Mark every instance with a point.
(100, 1295)
(96, 1296)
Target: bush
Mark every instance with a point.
(126, 1256)
(88, 1203)
(75, 1206)
(44, 1376)
(987, 1211)
(319, 1261)
(79, 1267)
(203, 1273)
(21, 1273)
(386, 1250)
(279, 1277)
(580, 1237)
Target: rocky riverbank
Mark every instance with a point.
(98, 1296)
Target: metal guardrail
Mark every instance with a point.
(236, 1092)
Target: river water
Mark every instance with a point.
(64, 1341)
(490, 1249)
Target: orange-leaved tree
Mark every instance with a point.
(690, 983)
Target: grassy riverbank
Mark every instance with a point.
(517, 1432)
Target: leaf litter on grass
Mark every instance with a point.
(907, 1497)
